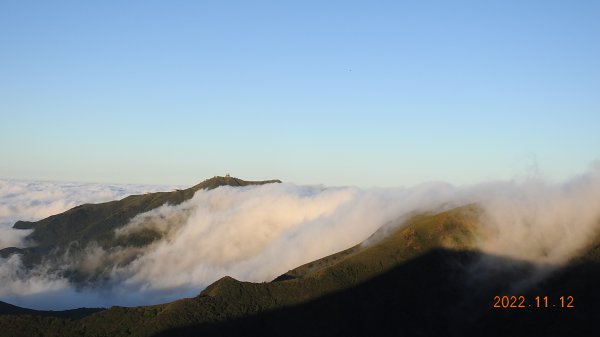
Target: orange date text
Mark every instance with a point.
(522, 302)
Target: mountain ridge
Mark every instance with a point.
(230, 299)
(97, 222)
(423, 275)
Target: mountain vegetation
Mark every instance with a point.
(421, 277)
(97, 222)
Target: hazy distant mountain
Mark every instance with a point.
(9, 309)
(425, 278)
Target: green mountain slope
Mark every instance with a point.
(422, 278)
(97, 222)
(229, 299)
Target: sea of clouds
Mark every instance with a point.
(36, 200)
(256, 233)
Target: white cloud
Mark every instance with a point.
(36, 200)
(257, 233)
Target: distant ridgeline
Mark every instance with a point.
(98, 222)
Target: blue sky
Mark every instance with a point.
(368, 93)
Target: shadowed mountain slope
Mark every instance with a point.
(421, 278)
(9, 309)
(229, 299)
(434, 294)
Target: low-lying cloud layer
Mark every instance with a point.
(36, 200)
(257, 233)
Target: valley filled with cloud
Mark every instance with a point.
(256, 233)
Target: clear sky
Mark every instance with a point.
(368, 93)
